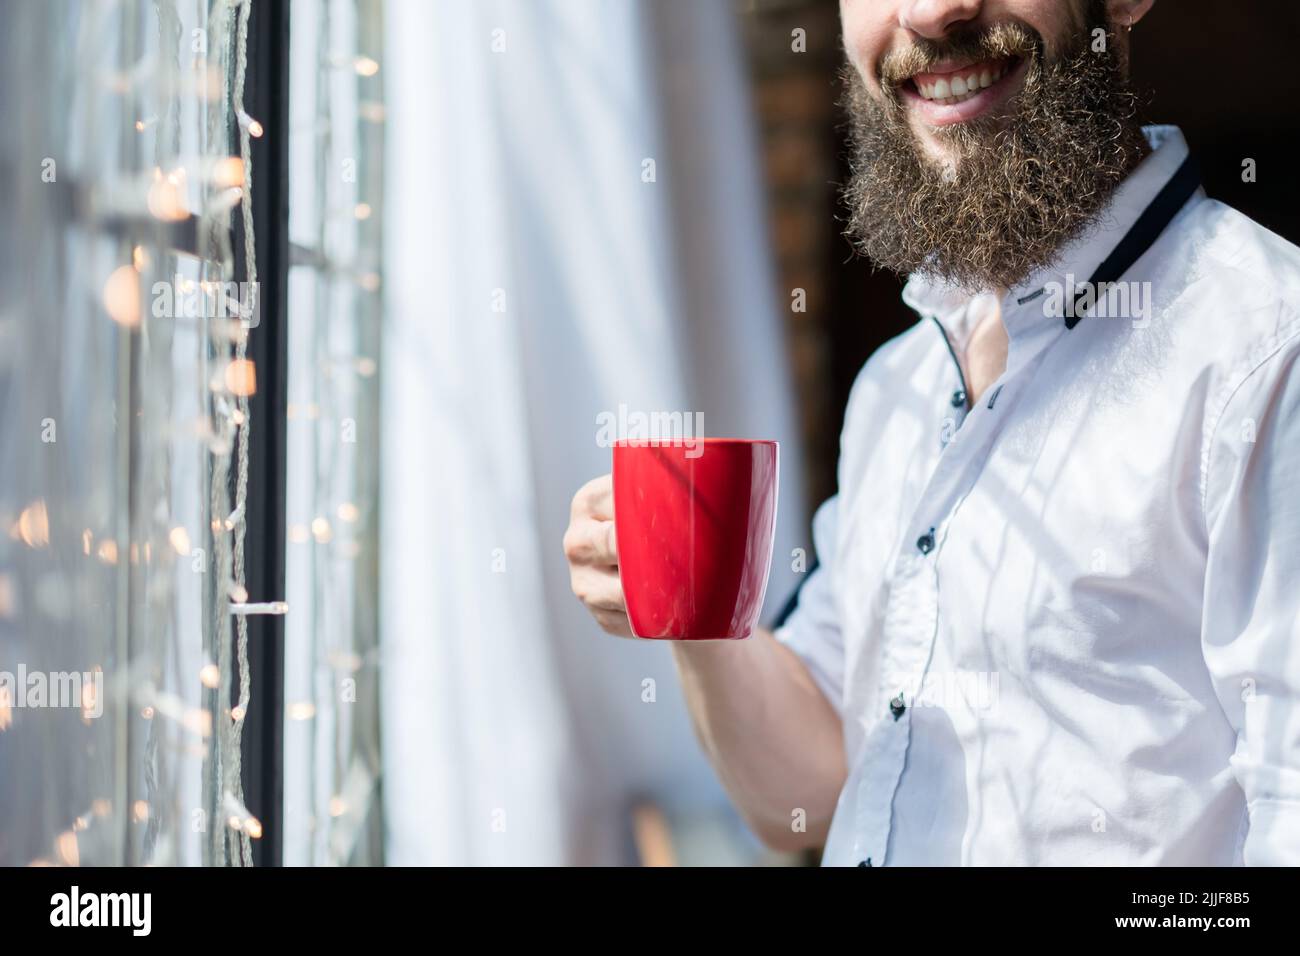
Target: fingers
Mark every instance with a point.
(612, 623)
(601, 592)
(595, 499)
(591, 547)
(599, 589)
(591, 543)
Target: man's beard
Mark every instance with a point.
(1021, 189)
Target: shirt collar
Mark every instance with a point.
(1080, 257)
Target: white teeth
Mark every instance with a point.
(958, 89)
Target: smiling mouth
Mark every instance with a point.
(974, 86)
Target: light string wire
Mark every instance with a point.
(241, 480)
(218, 505)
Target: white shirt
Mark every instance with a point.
(1098, 653)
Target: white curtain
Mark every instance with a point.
(574, 222)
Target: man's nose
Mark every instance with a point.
(933, 19)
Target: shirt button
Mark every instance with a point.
(897, 706)
(958, 398)
(925, 543)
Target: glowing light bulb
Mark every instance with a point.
(166, 199)
(228, 173)
(122, 296)
(241, 377)
(66, 844)
(302, 710)
(34, 525)
(180, 540)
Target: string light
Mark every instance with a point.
(34, 525)
(242, 387)
(180, 540)
(249, 125)
(166, 198)
(228, 173)
(68, 851)
(154, 182)
(241, 378)
(122, 296)
(301, 710)
(269, 607)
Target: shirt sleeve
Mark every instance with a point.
(812, 630)
(1251, 620)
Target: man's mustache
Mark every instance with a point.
(996, 42)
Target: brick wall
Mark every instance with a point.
(794, 56)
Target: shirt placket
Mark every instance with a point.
(911, 619)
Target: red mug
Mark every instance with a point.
(695, 521)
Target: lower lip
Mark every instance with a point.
(938, 114)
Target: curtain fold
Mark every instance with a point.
(575, 224)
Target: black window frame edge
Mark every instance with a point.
(266, 99)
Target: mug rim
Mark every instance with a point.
(681, 442)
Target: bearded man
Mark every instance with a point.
(1055, 618)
